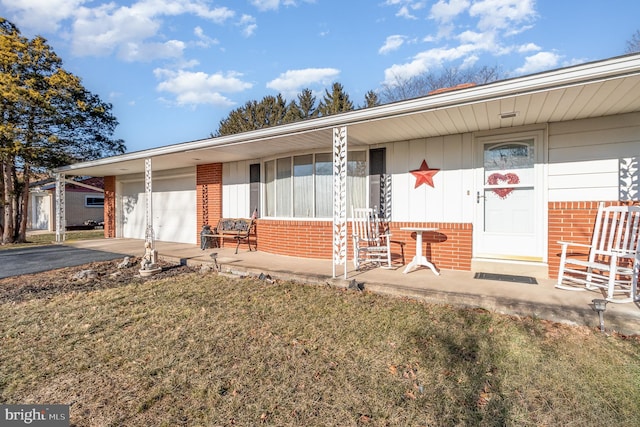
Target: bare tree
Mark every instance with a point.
(406, 88)
(633, 45)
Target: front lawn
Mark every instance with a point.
(208, 350)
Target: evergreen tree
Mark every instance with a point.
(334, 102)
(47, 119)
(270, 111)
(371, 99)
(307, 104)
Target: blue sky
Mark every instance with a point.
(174, 68)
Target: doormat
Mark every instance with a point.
(506, 278)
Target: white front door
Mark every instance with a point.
(510, 215)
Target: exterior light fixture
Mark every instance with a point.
(508, 115)
(600, 305)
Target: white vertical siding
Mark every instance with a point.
(235, 190)
(587, 158)
(448, 200)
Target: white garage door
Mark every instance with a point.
(41, 209)
(174, 209)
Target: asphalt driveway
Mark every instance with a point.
(15, 262)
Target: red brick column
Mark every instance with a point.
(109, 207)
(208, 195)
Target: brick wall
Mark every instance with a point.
(208, 195)
(570, 222)
(448, 248)
(109, 207)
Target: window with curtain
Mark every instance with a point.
(270, 188)
(324, 185)
(302, 186)
(356, 180)
(283, 187)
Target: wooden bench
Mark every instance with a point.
(238, 229)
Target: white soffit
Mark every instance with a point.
(589, 90)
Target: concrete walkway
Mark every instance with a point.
(451, 287)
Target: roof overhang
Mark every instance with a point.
(583, 91)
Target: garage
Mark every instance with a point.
(173, 205)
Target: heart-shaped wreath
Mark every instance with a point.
(498, 178)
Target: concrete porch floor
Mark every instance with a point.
(451, 287)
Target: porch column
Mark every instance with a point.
(148, 189)
(61, 222)
(340, 199)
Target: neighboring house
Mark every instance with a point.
(84, 201)
(503, 170)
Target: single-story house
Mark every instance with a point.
(84, 202)
(503, 171)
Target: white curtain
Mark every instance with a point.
(357, 179)
(270, 188)
(303, 186)
(324, 185)
(283, 187)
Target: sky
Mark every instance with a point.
(173, 69)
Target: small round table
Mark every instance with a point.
(419, 259)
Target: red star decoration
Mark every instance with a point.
(424, 175)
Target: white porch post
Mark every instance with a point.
(148, 234)
(340, 199)
(61, 219)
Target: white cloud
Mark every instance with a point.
(40, 15)
(403, 12)
(203, 39)
(425, 61)
(466, 30)
(529, 47)
(146, 52)
(248, 24)
(291, 82)
(392, 43)
(131, 31)
(194, 88)
(502, 14)
(470, 61)
(264, 5)
(539, 62)
(406, 7)
(444, 11)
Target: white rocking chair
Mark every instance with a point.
(371, 244)
(613, 259)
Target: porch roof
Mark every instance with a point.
(595, 89)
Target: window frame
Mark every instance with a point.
(271, 200)
(93, 205)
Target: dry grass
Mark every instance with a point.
(210, 350)
(35, 239)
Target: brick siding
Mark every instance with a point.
(109, 207)
(208, 195)
(570, 222)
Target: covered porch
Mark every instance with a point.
(458, 288)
